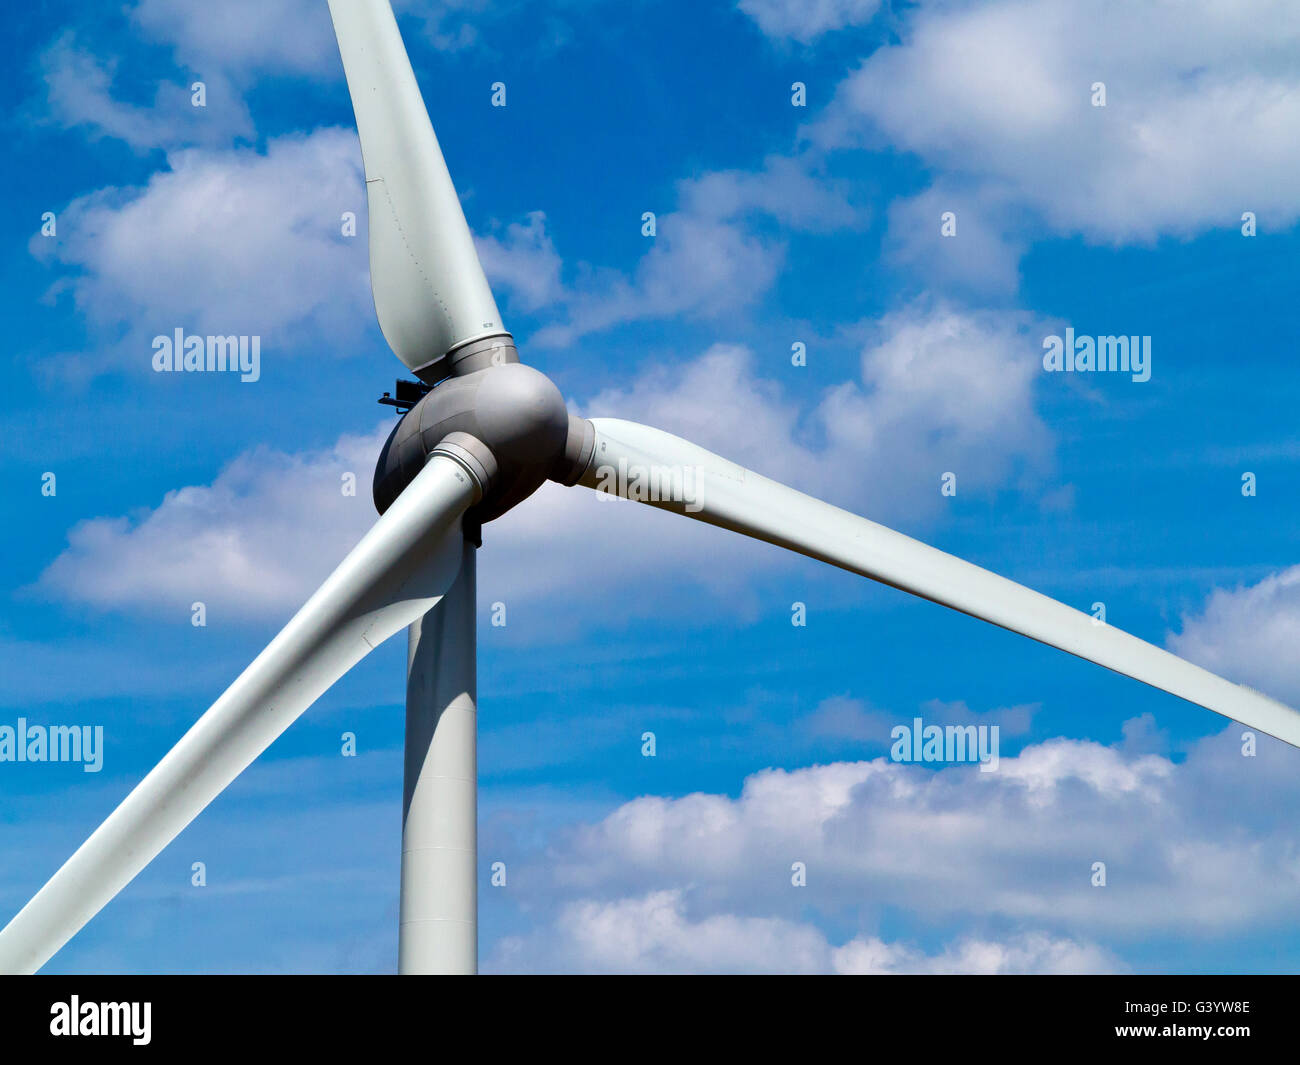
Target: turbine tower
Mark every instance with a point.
(485, 436)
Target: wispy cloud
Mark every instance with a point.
(806, 20)
(716, 254)
(80, 94)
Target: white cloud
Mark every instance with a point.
(1203, 104)
(1249, 633)
(655, 933)
(942, 391)
(233, 241)
(698, 266)
(452, 25)
(523, 263)
(1023, 954)
(228, 47)
(757, 426)
(79, 92)
(805, 20)
(981, 257)
(712, 256)
(242, 37)
(786, 189)
(703, 882)
(246, 37)
(253, 544)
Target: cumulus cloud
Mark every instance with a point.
(1202, 105)
(654, 933)
(253, 544)
(942, 390)
(703, 882)
(939, 390)
(232, 241)
(1249, 633)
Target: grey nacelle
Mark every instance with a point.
(511, 409)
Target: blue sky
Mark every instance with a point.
(776, 225)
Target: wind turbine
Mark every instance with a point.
(479, 443)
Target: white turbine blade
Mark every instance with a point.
(430, 292)
(732, 497)
(398, 571)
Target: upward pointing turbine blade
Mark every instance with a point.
(732, 497)
(395, 575)
(430, 291)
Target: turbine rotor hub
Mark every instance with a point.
(506, 422)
